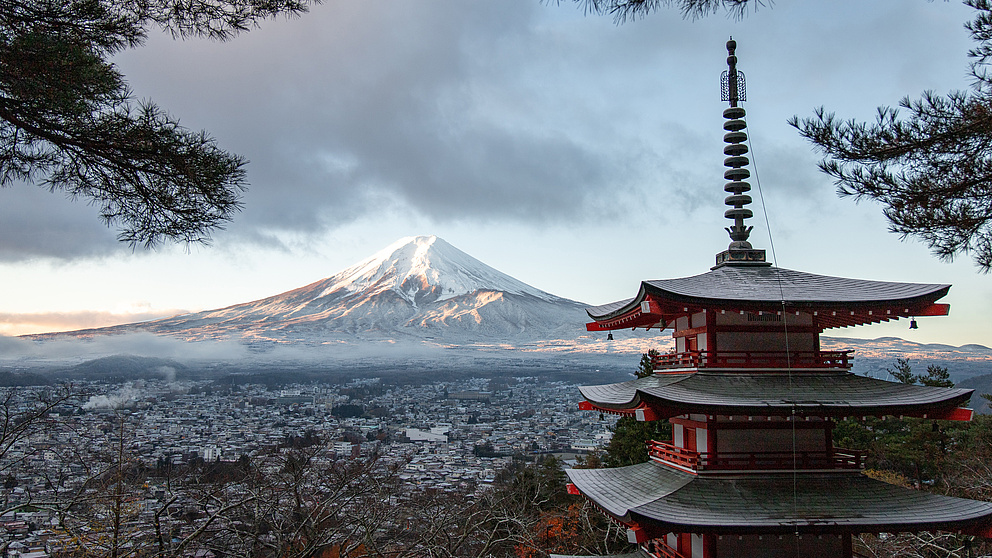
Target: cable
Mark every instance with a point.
(788, 351)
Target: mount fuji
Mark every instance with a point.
(418, 288)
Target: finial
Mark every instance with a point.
(732, 88)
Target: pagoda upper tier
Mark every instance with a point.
(825, 302)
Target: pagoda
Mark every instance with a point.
(751, 469)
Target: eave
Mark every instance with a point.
(834, 302)
(657, 499)
(774, 393)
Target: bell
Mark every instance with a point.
(912, 324)
(609, 336)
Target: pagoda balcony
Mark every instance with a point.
(685, 459)
(754, 359)
(660, 549)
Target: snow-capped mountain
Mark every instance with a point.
(420, 287)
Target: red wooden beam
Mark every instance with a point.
(935, 310)
(958, 413)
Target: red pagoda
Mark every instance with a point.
(752, 469)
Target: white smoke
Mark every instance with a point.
(119, 399)
(168, 373)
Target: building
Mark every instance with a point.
(752, 470)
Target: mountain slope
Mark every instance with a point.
(419, 287)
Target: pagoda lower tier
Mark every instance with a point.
(812, 393)
(638, 554)
(653, 500)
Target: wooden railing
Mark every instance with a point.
(666, 451)
(838, 458)
(755, 359)
(659, 548)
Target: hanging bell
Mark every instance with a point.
(609, 336)
(912, 324)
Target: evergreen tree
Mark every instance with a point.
(646, 366)
(628, 445)
(69, 122)
(625, 10)
(930, 170)
(920, 449)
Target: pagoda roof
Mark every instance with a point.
(661, 499)
(636, 554)
(765, 393)
(857, 301)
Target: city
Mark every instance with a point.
(444, 437)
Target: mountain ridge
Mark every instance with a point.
(418, 287)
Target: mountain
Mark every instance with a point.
(418, 287)
(420, 303)
(873, 357)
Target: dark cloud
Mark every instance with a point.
(508, 111)
(453, 111)
(35, 222)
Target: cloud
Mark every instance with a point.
(35, 222)
(508, 111)
(40, 322)
(451, 111)
(74, 350)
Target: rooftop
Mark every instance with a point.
(661, 499)
(732, 392)
(836, 301)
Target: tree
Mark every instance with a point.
(625, 10)
(69, 122)
(628, 446)
(931, 170)
(646, 367)
(936, 376)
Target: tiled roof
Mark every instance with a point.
(637, 554)
(834, 393)
(658, 496)
(773, 285)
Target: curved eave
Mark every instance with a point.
(637, 554)
(832, 393)
(659, 500)
(836, 302)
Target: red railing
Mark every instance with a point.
(838, 458)
(660, 549)
(666, 451)
(755, 359)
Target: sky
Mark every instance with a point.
(575, 154)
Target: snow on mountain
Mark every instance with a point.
(424, 269)
(418, 287)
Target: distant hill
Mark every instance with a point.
(873, 356)
(127, 367)
(981, 384)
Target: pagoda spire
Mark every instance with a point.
(733, 88)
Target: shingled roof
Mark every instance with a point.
(827, 393)
(768, 288)
(636, 554)
(662, 499)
